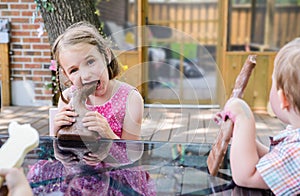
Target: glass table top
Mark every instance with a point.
(123, 167)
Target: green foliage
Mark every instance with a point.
(48, 6)
(45, 4)
(53, 84)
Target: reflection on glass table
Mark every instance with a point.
(105, 167)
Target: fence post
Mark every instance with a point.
(4, 62)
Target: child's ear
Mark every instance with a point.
(284, 103)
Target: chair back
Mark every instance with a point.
(52, 113)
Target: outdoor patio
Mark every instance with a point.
(159, 124)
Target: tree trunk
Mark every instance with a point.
(60, 14)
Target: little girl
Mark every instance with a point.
(116, 113)
(252, 163)
(116, 107)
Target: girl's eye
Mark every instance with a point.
(72, 71)
(90, 61)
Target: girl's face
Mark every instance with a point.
(83, 63)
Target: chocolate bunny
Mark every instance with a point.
(219, 148)
(77, 131)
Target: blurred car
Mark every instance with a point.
(190, 68)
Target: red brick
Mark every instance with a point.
(19, 6)
(35, 78)
(38, 20)
(21, 59)
(18, 53)
(48, 79)
(10, 13)
(29, 78)
(37, 91)
(33, 6)
(21, 46)
(27, 1)
(32, 66)
(47, 54)
(16, 46)
(17, 78)
(27, 13)
(48, 91)
(16, 27)
(40, 72)
(35, 33)
(41, 46)
(20, 20)
(3, 6)
(21, 72)
(15, 40)
(40, 84)
(30, 26)
(20, 33)
(32, 53)
(10, 1)
(42, 60)
(43, 98)
(32, 40)
(45, 39)
(15, 65)
(25, 46)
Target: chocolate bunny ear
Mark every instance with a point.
(219, 148)
(243, 77)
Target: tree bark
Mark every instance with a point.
(66, 13)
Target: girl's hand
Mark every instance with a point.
(67, 158)
(97, 155)
(64, 117)
(94, 121)
(93, 159)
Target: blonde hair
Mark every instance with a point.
(84, 32)
(287, 72)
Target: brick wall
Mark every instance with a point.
(30, 54)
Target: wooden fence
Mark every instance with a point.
(4, 75)
(283, 26)
(200, 20)
(257, 91)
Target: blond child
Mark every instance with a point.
(252, 163)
